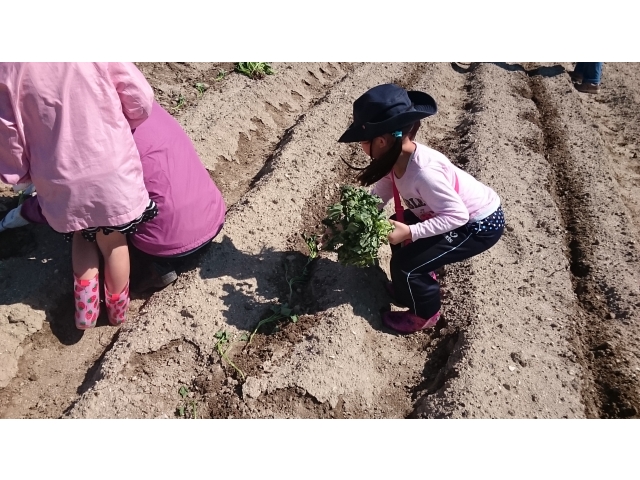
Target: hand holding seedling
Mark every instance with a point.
(356, 227)
(401, 232)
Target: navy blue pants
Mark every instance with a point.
(411, 264)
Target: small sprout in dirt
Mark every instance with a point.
(221, 74)
(357, 228)
(282, 312)
(201, 87)
(312, 245)
(244, 337)
(223, 341)
(255, 70)
(279, 313)
(299, 279)
(188, 409)
(180, 102)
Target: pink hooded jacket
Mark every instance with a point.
(66, 127)
(191, 210)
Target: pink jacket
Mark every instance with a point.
(440, 194)
(66, 127)
(191, 210)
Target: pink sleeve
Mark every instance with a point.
(383, 189)
(14, 166)
(437, 191)
(136, 95)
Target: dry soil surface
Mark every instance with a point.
(543, 325)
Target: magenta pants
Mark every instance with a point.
(31, 211)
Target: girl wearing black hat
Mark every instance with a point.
(451, 215)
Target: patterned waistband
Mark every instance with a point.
(495, 221)
(89, 234)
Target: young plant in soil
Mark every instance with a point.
(356, 227)
(222, 346)
(221, 74)
(180, 102)
(254, 70)
(187, 409)
(282, 312)
(201, 87)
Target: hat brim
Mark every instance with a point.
(424, 106)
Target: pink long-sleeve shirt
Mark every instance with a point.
(440, 194)
(66, 127)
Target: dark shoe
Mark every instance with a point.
(407, 322)
(586, 87)
(159, 277)
(576, 76)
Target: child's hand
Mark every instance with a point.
(401, 232)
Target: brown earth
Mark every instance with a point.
(544, 325)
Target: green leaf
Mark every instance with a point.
(183, 391)
(363, 228)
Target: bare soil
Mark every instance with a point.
(544, 325)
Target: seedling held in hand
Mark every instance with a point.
(357, 228)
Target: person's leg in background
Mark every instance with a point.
(577, 74)
(591, 77)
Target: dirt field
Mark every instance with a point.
(544, 325)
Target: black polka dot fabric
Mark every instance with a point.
(89, 234)
(495, 221)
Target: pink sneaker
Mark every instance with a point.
(117, 305)
(407, 322)
(87, 302)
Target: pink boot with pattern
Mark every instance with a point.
(117, 305)
(87, 302)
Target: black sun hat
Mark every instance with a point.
(385, 109)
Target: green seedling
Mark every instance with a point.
(357, 228)
(191, 407)
(180, 102)
(282, 312)
(279, 313)
(255, 70)
(222, 346)
(306, 274)
(221, 74)
(201, 87)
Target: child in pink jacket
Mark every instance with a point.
(66, 127)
